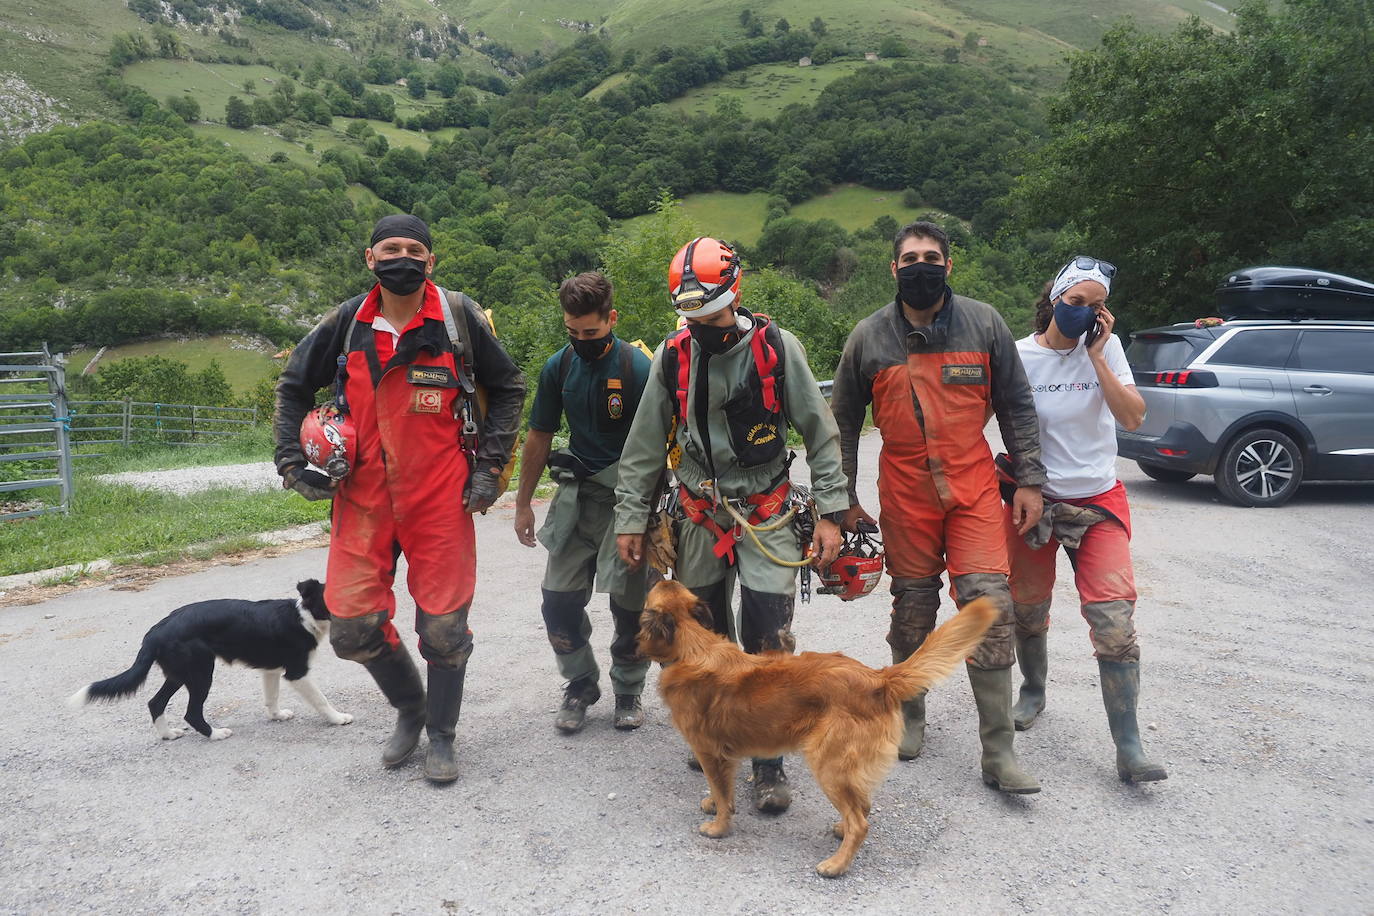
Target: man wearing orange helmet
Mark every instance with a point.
(935, 367)
(721, 395)
(404, 360)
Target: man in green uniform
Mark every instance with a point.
(720, 398)
(596, 381)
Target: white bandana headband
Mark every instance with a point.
(1072, 275)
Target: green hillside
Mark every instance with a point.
(765, 89)
(1033, 32)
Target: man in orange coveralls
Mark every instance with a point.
(405, 369)
(935, 366)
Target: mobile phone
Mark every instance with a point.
(1093, 330)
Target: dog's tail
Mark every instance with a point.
(941, 653)
(119, 686)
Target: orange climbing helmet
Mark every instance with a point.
(703, 277)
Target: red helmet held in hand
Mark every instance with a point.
(328, 439)
(858, 568)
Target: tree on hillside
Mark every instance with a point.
(237, 114)
(128, 47)
(184, 107)
(1185, 156)
(892, 46)
(168, 42)
(781, 26)
(818, 27)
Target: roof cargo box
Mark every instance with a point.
(1296, 292)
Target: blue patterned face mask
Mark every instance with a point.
(1073, 320)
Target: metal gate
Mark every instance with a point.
(35, 443)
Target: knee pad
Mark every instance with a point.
(359, 639)
(445, 640)
(564, 619)
(766, 622)
(915, 603)
(717, 598)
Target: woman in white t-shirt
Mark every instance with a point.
(1082, 387)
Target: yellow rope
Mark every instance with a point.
(752, 531)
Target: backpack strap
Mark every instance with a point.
(677, 367)
(768, 362)
(565, 365)
(340, 376)
(452, 301)
(627, 376)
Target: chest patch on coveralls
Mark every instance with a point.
(439, 376)
(427, 400)
(970, 374)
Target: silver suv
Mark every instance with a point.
(1260, 404)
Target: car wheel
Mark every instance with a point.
(1165, 475)
(1262, 468)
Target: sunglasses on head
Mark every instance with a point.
(1083, 262)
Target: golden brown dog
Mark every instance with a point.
(844, 716)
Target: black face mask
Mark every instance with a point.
(921, 285)
(401, 276)
(591, 349)
(712, 339)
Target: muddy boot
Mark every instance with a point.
(771, 795)
(1120, 689)
(395, 673)
(913, 728)
(913, 712)
(1033, 655)
(445, 701)
(577, 696)
(629, 713)
(992, 696)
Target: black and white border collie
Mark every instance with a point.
(278, 636)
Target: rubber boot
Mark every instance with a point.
(913, 718)
(445, 702)
(629, 712)
(771, 794)
(396, 675)
(577, 696)
(1032, 654)
(913, 728)
(992, 696)
(1120, 691)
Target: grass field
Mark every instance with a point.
(739, 217)
(243, 359)
(766, 89)
(856, 207)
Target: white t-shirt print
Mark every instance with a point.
(1077, 431)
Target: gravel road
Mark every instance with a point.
(1257, 637)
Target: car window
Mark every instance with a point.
(1159, 352)
(1261, 348)
(1336, 351)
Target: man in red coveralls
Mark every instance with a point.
(414, 478)
(935, 367)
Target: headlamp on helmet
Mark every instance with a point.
(858, 568)
(703, 277)
(329, 440)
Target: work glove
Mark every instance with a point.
(483, 487)
(311, 484)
